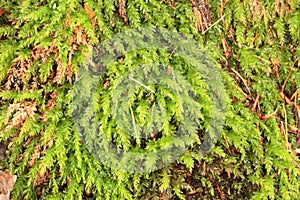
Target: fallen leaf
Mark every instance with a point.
(2, 12)
(7, 181)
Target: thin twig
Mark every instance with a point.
(214, 24)
(255, 103)
(294, 96)
(238, 74)
(134, 126)
(285, 81)
(262, 59)
(142, 84)
(285, 127)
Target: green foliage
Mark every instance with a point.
(43, 46)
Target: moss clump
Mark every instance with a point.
(44, 45)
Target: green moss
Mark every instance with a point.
(43, 46)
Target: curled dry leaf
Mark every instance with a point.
(7, 181)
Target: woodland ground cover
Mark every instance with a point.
(255, 46)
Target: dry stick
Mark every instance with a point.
(268, 116)
(142, 84)
(289, 101)
(296, 162)
(255, 103)
(194, 191)
(294, 96)
(134, 126)
(238, 74)
(263, 59)
(293, 129)
(285, 127)
(285, 81)
(297, 108)
(219, 190)
(285, 98)
(152, 110)
(214, 24)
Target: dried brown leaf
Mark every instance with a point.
(2, 12)
(7, 181)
